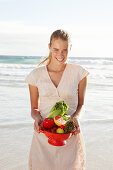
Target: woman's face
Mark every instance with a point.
(59, 50)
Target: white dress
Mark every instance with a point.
(44, 156)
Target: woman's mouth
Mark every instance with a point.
(60, 59)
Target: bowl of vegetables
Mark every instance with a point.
(58, 126)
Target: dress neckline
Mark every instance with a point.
(62, 77)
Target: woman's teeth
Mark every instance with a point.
(60, 59)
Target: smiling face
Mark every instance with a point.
(59, 50)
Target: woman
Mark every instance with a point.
(48, 84)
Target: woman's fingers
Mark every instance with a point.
(36, 126)
(37, 123)
(75, 122)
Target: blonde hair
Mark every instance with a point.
(62, 34)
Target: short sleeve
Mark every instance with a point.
(83, 73)
(31, 78)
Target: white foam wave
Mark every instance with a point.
(97, 121)
(93, 62)
(15, 125)
(17, 66)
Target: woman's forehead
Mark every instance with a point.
(59, 43)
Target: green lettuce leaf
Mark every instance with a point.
(66, 117)
(59, 109)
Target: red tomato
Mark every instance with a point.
(50, 130)
(62, 126)
(48, 123)
(53, 130)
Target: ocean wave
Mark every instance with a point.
(97, 84)
(93, 62)
(12, 80)
(97, 121)
(11, 74)
(22, 85)
(109, 76)
(16, 57)
(16, 125)
(17, 66)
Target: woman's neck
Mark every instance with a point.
(56, 67)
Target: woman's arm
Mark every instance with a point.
(35, 113)
(81, 94)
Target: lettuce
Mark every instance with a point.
(66, 117)
(59, 109)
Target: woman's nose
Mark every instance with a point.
(60, 53)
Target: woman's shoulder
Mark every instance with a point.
(79, 71)
(34, 75)
(75, 66)
(37, 70)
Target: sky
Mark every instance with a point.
(26, 26)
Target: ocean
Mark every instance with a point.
(16, 124)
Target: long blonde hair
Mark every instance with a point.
(62, 34)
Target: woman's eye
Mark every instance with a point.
(56, 50)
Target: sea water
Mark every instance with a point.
(16, 124)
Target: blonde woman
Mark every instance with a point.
(56, 81)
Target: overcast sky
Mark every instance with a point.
(26, 26)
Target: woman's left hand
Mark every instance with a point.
(75, 120)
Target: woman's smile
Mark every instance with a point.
(60, 59)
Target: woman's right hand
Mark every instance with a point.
(37, 122)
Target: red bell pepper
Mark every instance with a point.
(48, 123)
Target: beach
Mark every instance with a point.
(16, 124)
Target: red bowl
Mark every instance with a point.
(57, 139)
